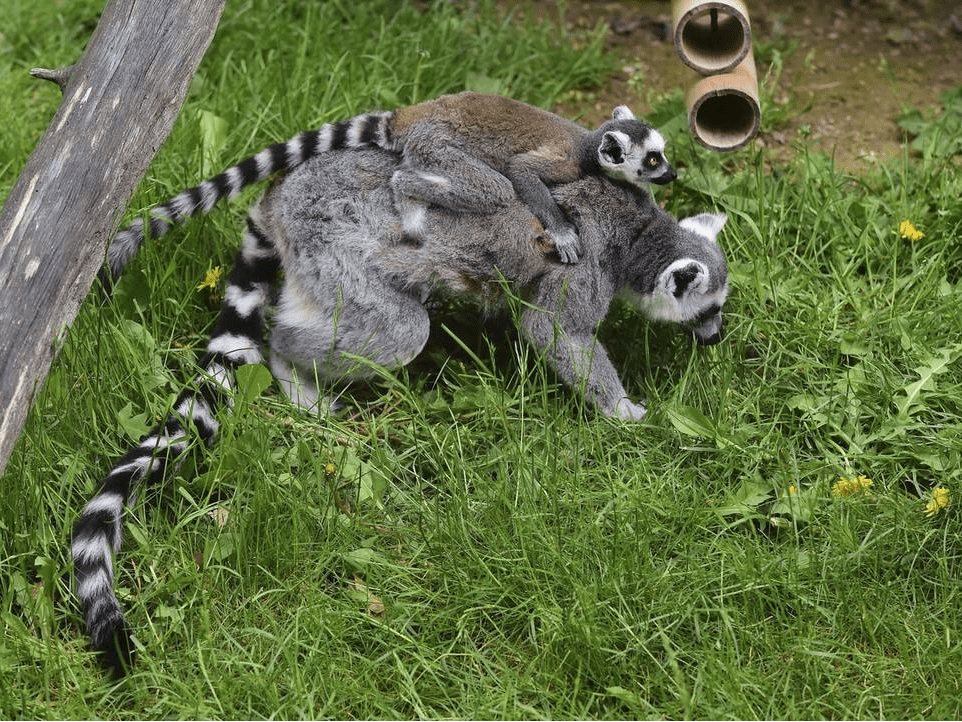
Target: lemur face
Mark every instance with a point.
(633, 151)
(691, 290)
(687, 297)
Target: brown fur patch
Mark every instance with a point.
(541, 239)
(481, 118)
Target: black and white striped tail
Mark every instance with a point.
(363, 131)
(236, 340)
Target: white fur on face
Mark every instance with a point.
(635, 168)
(654, 143)
(697, 303)
(663, 305)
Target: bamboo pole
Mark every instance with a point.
(711, 36)
(714, 38)
(723, 110)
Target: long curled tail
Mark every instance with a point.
(363, 131)
(236, 340)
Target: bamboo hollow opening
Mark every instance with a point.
(711, 37)
(723, 110)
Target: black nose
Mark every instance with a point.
(708, 340)
(667, 177)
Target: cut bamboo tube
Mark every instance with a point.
(723, 110)
(711, 36)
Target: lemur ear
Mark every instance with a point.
(684, 275)
(705, 224)
(614, 147)
(622, 112)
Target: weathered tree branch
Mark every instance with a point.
(60, 76)
(120, 101)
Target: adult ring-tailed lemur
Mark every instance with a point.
(355, 285)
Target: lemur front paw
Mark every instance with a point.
(566, 244)
(628, 410)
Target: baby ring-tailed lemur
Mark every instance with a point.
(469, 152)
(353, 287)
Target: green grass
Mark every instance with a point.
(533, 560)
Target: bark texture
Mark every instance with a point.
(119, 103)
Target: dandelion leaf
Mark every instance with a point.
(213, 137)
(936, 364)
(692, 422)
(252, 381)
(746, 500)
(133, 426)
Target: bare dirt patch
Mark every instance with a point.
(840, 74)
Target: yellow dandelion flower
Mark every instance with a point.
(211, 279)
(792, 489)
(330, 469)
(910, 232)
(940, 500)
(848, 487)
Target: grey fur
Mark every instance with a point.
(355, 286)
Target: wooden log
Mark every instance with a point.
(120, 101)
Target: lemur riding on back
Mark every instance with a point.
(468, 152)
(460, 150)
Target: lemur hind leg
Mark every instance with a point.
(440, 168)
(463, 184)
(318, 344)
